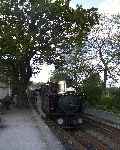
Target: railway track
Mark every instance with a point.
(76, 139)
(108, 128)
(81, 140)
(68, 140)
(89, 141)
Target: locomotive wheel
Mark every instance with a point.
(60, 121)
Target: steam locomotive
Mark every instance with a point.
(60, 104)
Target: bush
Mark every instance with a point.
(107, 102)
(115, 94)
(92, 87)
(116, 102)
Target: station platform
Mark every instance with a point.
(22, 130)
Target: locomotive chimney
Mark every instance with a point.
(62, 86)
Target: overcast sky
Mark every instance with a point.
(109, 6)
(106, 6)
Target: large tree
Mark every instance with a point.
(103, 47)
(42, 30)
(76, 67)
(100, 53)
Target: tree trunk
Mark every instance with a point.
(67, 2)
(105, 81)
(105, 69)
(22, 100)
(24, 73)
(105, 78)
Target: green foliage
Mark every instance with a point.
(60, 75)
(92, 87)
(110, 101)
(43, 31)
(29, 27)
(106, 102)
(115, 94)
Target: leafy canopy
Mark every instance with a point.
(43, 29)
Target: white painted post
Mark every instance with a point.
(9, 87)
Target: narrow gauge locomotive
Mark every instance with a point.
(63, 107)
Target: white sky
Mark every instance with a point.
(104, 6)
(44, 74)
(110, 6)
(107, 6)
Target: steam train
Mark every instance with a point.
(60, 104)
